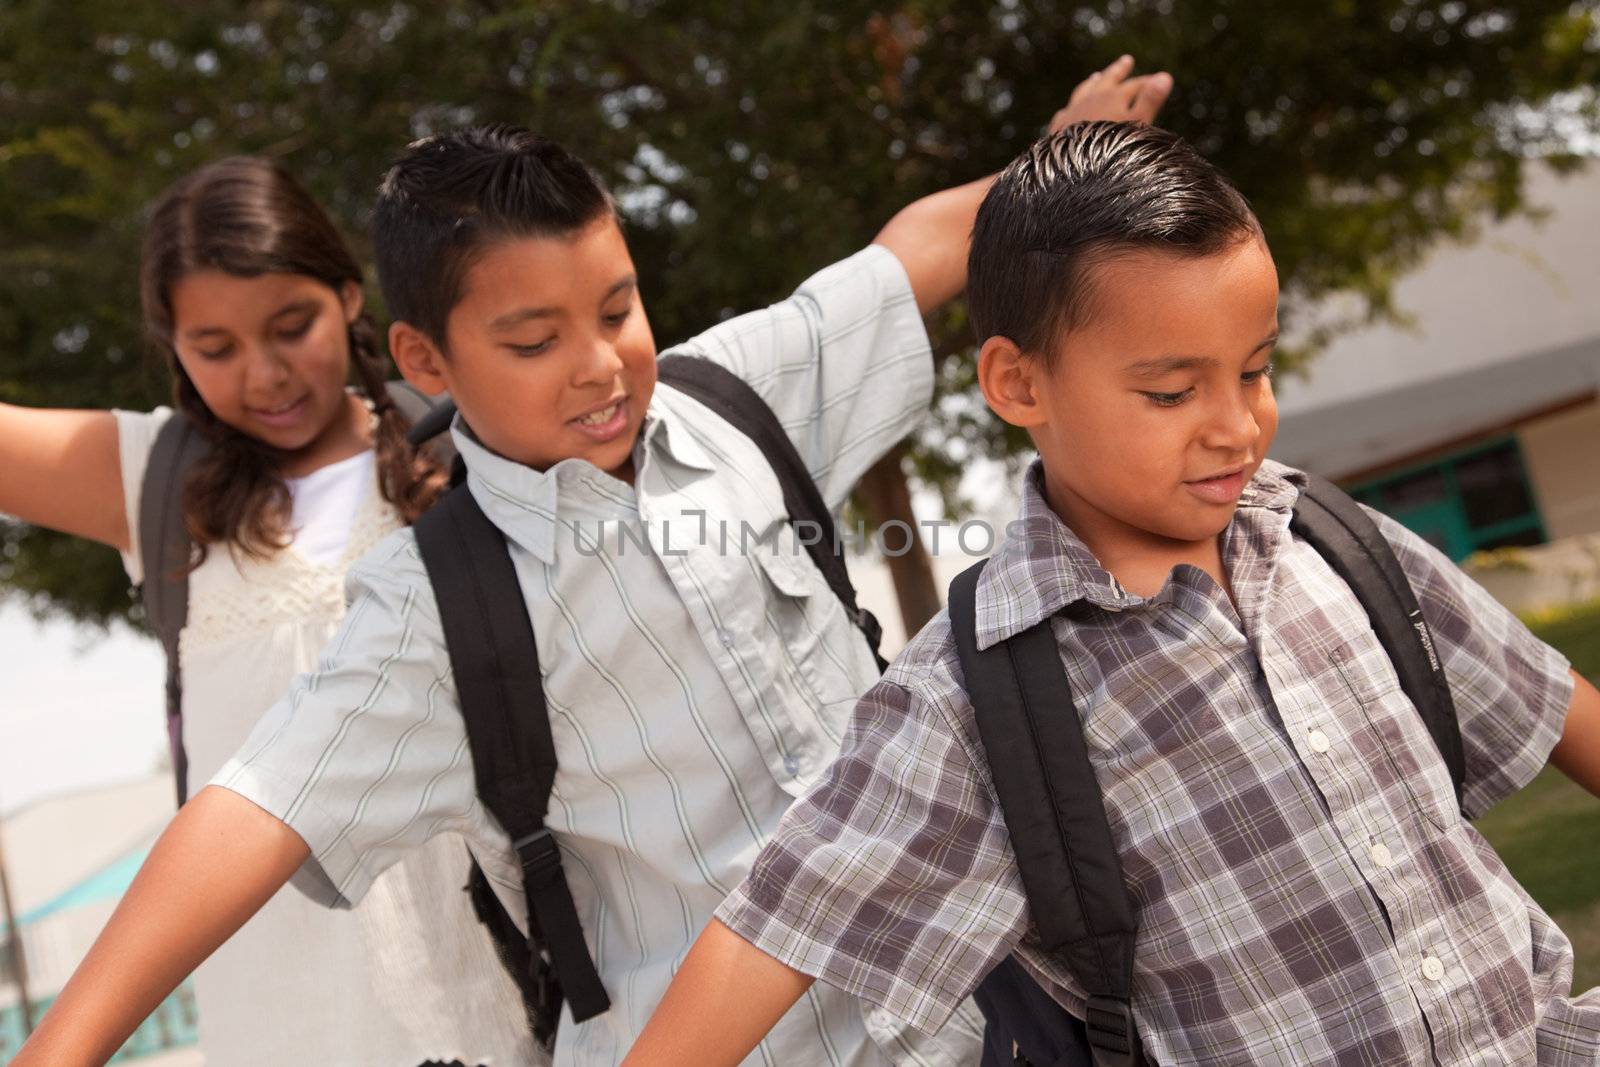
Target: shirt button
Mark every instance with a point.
(791, 765)
(726, 638)
(1432, 969)
(1382, 856)
(1318, 741)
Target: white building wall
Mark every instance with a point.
(1520, 287)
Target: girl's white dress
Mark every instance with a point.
(408, 976)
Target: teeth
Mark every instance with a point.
(599, 417)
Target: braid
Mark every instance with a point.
(407, 478)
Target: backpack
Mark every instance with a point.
(1056, 818)
(494, 659)
(166, 551)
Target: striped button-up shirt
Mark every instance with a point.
(697, 683)
(1306, 890)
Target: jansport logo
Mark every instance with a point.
(1427, 638)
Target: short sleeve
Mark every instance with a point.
(892, 879)
(844, 362)
(366, 758)
(1511, 690)
(136, 436)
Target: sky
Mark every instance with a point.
(79, 706)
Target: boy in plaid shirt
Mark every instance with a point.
(1307, 890)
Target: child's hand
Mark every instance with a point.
(1111, 94)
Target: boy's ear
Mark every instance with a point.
(1010, 380)
(419, 359)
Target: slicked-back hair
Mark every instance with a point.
(1077, 198)
(448, 198)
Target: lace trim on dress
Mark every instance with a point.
(233, 596)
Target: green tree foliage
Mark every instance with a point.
(750, 142)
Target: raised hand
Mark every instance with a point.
(1112, 94)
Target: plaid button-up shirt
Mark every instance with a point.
(1307, 891)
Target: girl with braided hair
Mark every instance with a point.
(256, 303)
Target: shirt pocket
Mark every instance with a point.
(822, 660)
(1396, 743)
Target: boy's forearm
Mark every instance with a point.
(218, 862)
(930, 238)
(725, 998)
(1577, 754)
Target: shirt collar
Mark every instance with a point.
(666, 431)
(1043, 567)
(524, 502)
(519, 500)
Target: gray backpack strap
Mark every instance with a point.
(164, 553)
(430, 419)
(165, 548)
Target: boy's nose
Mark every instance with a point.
(1233, 427)
(602, 365)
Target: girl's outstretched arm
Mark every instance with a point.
(63, 470)
(724, 999)
(218, 862)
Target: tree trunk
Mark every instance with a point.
(886, 497)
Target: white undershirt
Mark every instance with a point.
(325, 505)
(408, 976)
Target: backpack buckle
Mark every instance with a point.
(1112, 1038)
(870, 627)
(541, 859)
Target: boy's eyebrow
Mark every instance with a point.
(1154, 368)
(521, 315)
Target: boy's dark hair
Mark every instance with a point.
(1076, 198)
(451, 196)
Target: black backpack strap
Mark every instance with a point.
(495, 662)
(1345, 535)
(429, 417)
(1055, 815)
(732, 398)
(165, 551)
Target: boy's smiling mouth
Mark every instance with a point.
(1223, 487)
(605, 422)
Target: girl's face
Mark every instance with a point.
(270, 354)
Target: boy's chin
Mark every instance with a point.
(1193, 528)
(616, 457)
